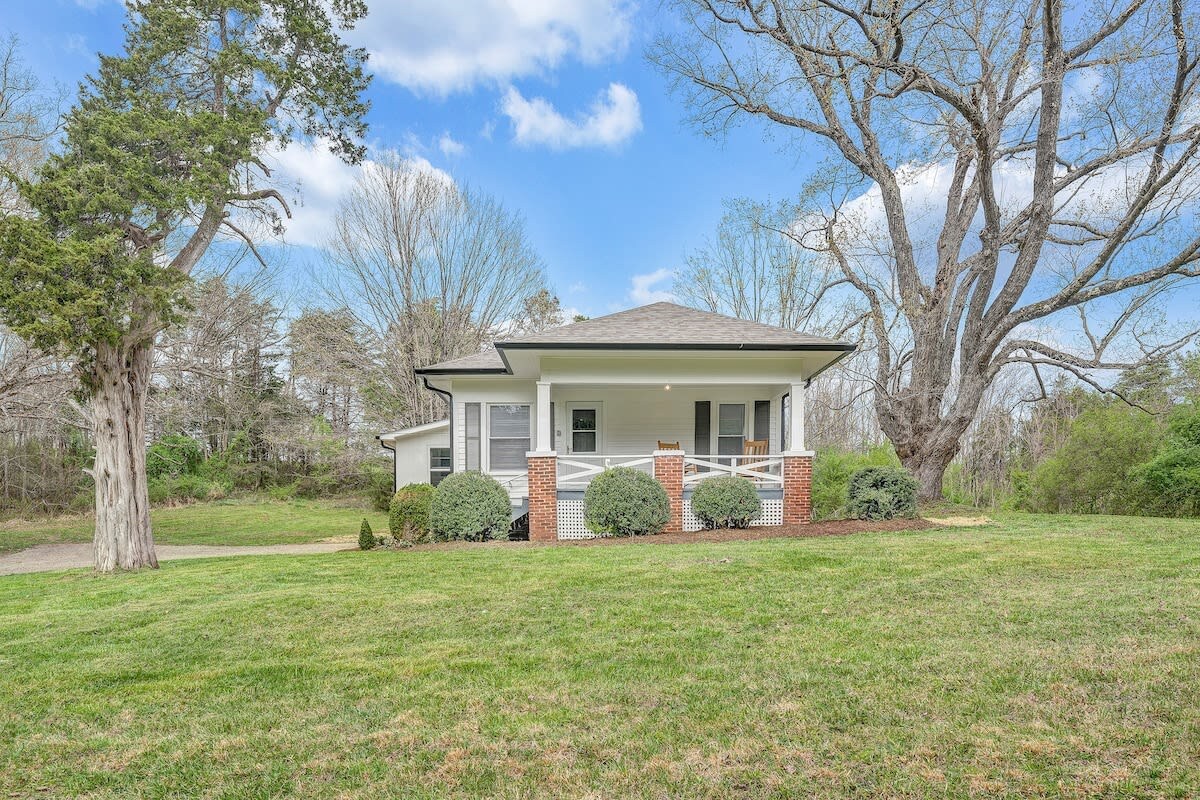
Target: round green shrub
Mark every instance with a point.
(366, 536)
(881, 493)
(470, 506)
(408, 513)
(726, 501)
(623, 501)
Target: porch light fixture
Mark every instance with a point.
(667, 388)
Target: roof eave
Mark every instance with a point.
(726, 346)
(463, 371)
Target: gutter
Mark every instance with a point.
(809, 379)
(450, 406)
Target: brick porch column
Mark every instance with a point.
(668, 470)
(797, 488)
(543, 497)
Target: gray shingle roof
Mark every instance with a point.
(485, 361)
(658, 325)
(673, 325)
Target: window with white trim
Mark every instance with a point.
(508, 437)
(731, 429)
(439, 464)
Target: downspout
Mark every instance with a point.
(385, 446)
(450, 405)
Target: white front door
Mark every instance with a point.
(583, 428)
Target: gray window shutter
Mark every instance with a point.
(703, 428)
(471, 426)
(785, 422)
(762, 419)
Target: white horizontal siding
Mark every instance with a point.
(412, 455)
(486, 392)
(635, 418)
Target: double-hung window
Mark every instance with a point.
(439, 464)
(508, 437)
(731, 429)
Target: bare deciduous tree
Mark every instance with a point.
(997, 170)
(748, 270)
(328, 364)
(432, 271)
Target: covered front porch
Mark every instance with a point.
(679, 433)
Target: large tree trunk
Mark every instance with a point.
(123, 539)
(927, 436)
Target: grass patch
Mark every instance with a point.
(243, 520)
(1039, 656)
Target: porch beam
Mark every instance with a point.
(545, 434)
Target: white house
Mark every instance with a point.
(680, 393)
(421, 454)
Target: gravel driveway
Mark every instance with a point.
(49, 557)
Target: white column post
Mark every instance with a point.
(796, 431)
(545, 434)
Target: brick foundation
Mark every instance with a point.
(797, 489)
(668, 470)
(543, 498)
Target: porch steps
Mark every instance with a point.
(520, 507)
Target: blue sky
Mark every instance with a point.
(549, 105)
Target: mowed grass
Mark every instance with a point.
(238, 521)
(1040, 656)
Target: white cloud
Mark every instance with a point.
(314, 181)
(77, 43)
(645, 288)
(439, 47)
(450, 147)
(614, 117)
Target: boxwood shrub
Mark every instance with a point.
(408, 513)
(366, 536)
(881, 493)
(623, 501)
(470, 506)
(726, 501)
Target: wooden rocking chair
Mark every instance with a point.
(755, 447)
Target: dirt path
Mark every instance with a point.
(49, 557)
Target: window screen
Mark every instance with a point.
(439, 464)
(472, 433)
(508, 437)
(731, 429)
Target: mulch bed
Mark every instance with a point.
(840, 527)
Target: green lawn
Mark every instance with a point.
(248, 521)
(1041, 656)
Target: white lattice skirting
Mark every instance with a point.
(772, 514)
(571, 526)
(570, 521)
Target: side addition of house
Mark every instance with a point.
(680, 393)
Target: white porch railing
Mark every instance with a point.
(577, 470)
(515, 485)
(763, 470)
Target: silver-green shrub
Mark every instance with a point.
(470, 506)
(726, 501)
(623, 501)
